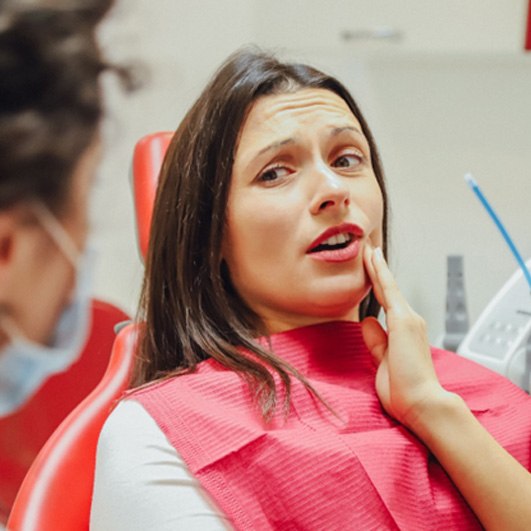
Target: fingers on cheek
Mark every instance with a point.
(369, 268)
(390, 290)
(385, 276)
(367, 260)
(379, 284)
(376, 286)
(380, 278)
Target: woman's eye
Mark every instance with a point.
(273, 174)
(349, 160)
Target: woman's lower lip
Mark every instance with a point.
(339, 255)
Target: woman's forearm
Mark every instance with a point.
(496, 486)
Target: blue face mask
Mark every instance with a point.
(26, 365)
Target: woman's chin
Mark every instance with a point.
(340, 300)
(339, 307)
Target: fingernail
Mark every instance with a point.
(378, 253)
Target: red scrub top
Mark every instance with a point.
(24, 432)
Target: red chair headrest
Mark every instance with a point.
(147, 161)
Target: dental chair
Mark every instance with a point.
(24, 432)
(57, 491)
(147, 161)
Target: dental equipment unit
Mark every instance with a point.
(501, 337)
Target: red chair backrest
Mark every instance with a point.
(23, 434)
(57, 491)
(147, 161)
(41, 497)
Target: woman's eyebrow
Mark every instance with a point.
(334, 132)
(338, 130)
(275, 145)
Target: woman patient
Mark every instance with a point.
(267, 394)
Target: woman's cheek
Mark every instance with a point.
(375, 215)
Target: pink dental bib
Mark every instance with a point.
(313, 470)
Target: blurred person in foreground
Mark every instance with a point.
(51, 106)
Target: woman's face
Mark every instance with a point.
(303, 203)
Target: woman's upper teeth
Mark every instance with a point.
(338, 239)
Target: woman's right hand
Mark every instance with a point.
(496, 486)
(406, 382)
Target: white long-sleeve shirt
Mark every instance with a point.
(142, 483)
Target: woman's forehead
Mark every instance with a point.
(274, 117)
(307, 102)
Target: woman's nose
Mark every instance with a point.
(332, 192)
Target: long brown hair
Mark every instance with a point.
(189, 309)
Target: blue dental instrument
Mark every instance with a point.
(476, 189)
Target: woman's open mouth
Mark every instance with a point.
(340, 241)
(337, 244)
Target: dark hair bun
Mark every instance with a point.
(45, 50)
(50, 99)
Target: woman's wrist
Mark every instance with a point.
(434, 416)
(495, 485)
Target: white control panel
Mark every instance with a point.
(501, 337)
